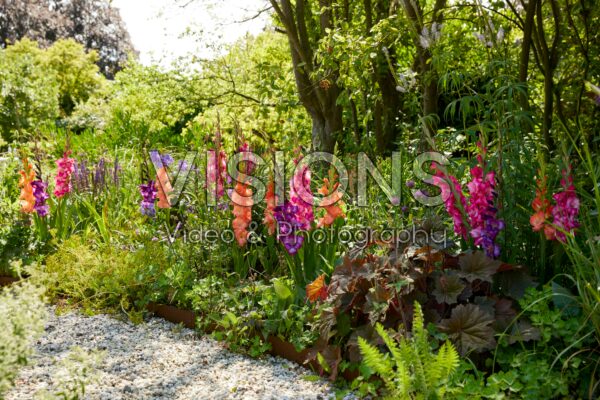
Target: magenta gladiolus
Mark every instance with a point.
(482, 213)
(478, 210)
(301, 197)
(63, 175)
(566, 210)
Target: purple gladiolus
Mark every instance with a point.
(149, 194)
(40, 194)
(289, 227)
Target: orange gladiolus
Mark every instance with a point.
(26, 199)
(271, 200)
(164, 188)
(317, 290)
(332, 205)
(543, 211)
(242, 210)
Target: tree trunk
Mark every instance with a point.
(324, 128)
(318, 95)
(548, 108)
(429, 92)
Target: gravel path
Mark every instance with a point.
(158, 360)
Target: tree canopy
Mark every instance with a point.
(95, 24)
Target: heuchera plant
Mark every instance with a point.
(457, 294)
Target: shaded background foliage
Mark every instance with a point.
(95, 24)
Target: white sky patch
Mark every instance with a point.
(164, 30)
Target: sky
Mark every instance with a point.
(160, 29)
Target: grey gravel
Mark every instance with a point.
(159, 360)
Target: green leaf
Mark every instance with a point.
(281, 289)
(564, 300)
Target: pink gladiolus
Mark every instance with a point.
(301, 197)
(566, 210)
(450, 197)
(63, 175)
(216, 172)
(482, 213)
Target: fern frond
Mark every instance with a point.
(378, 362)
(390, 343)
(411, 370)
(448, 360)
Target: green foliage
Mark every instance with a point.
(410, 369)
(241, 312)
(29, 97)
(251, 89)
(466, 296)
(561, 362)
(16, 239)
(23, 314)
(583, 250)
(149, 106)
(103, 277)
(75, 71)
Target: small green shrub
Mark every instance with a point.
(104, 277)
(22, 322)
